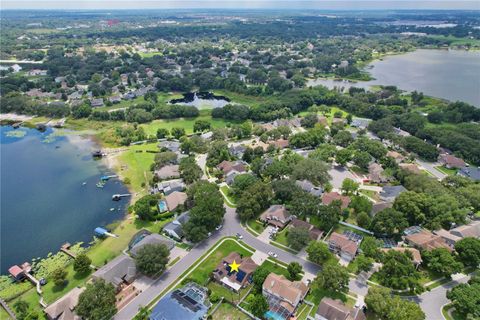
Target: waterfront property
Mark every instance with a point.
(175, 199)
(187, 303)
(64, 308)
(153, 238)
(120, 272)
(174, 228)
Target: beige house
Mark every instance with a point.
(283, 296)
(330, 309)
(277, 215)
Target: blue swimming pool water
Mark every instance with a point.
(274, 316)
(162, 206)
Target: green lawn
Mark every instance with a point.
(229, 295)
(187, 124)
(256, 225)
(370, 193)
(447, 171)
(275, 268)
(455, 314)
(281, 237)
(4, 315)
(135, 163)
(149, 54)
(227, 192)
(226, 311)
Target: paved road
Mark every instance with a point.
(430, 167)
(432, 301)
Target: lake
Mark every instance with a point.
(49, 194)
(448, 74)
(202, 100)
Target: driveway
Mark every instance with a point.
(338, 175)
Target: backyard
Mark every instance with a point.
(227, 311)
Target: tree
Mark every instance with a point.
(349, 186)
(364, 220)
(318, 252)
(389, 222)
(312, 170)
(333, 277)
(381, 302)
(151, 259)
(189, 170)
(398, 271)
(165, 158)
(441, 261)
(363, 263)
(360, 204)
(162, 133)
(294, 271)
(217, 153)
(328, 216)
(468, 250)
(82, 263)
(258, 306)
(97, 302)
(466, 298)
(145, 207)
(370, 247)
(362, 159)
(297, 238)
(207, 211)
(201, 125)
(143, 314)
(343, 156)
(242, 182)
(309, 120)
(59, 276)
(343, 138)
(259, 276)
(177, 132)
(254, 200)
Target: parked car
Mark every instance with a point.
(272, 254)
(218, 227)
(239, 236)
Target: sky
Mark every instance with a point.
(239, 4)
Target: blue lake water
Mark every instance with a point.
(43, 200)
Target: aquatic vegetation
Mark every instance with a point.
(16, 133)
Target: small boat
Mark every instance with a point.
(112, 209)
(100, 185)
(84, 183)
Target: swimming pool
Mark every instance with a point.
(162, 206)
(273, 315)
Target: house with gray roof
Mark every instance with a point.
(170, 145)
(170, 186)
(153, 238)
(64, 308)
(120, 271)
(309, 187)
(470, 172)
(390, 193)
(96, 103)
(174, 228)
(360, 123)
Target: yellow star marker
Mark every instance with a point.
(234, 266)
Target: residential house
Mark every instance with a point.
(120, 272)
(167, 187)
(17, 273)
(313, 232)
(235, 280)
(174, 228)
(115, 99)
(323, 121)
(173, 146)
(153, 238)
(16, 68)
(187, 303)
(276, 215)
(376, 173)
(398, 157)
(449, 238)
(329, 197)
(343, 245)
(425, 240)
(37, 72)
(339, 120)
(237, 150)
(450, 161)
(470, 172)
(230, 177)
(390, 193)
(330, 309)
(75, 96)
(379, 206)
(175, 199)
(410, 167)
(168, 172)
(360, 123)
(96, 102)
(469, 230)
(401, 132)
(283, 296)
(227, 166)
(416, 256)
(280, 143)
(64, 308)
(309, 187)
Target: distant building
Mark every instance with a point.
(227, 166)
(283, 296)
(470, 172)
(64, 308)
(313, 232)
(277, 215)
(187, 303)
(469, 230)
(120, 272)
(450, 161)
(330, 309)
(174, 228)
(424, 239)
(173, 146)
(360, 123)
(170, 186)
(448, 237)
(395, 155)
(232, 279)
(390, 193)
(96, 103)
(168, 172)
(237, 151)
(410, 167)
(376, 173)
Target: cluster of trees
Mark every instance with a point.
(391, 307)
(466, 298)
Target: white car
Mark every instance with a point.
(218, 227)
(239, 236)
(272, 254)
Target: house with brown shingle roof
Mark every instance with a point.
(313, 232)
(283, 296)
(168, 172)
(228, 166)
(450, 161)
(232, 279)
(64, 307)
(398, 157)
(330, 309)
(410, 167)
(277, 215)
(449, 238)
(426, 240)
(469, 230)
(375, 173)
(343, 246)
(329, 197)
(175, 199)
(280, 143)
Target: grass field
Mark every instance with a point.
(149, 54)
(450, 172)
(282, 237)
(256, 225)
(226, 311)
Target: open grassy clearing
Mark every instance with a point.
(256, 225)
(227, 311)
